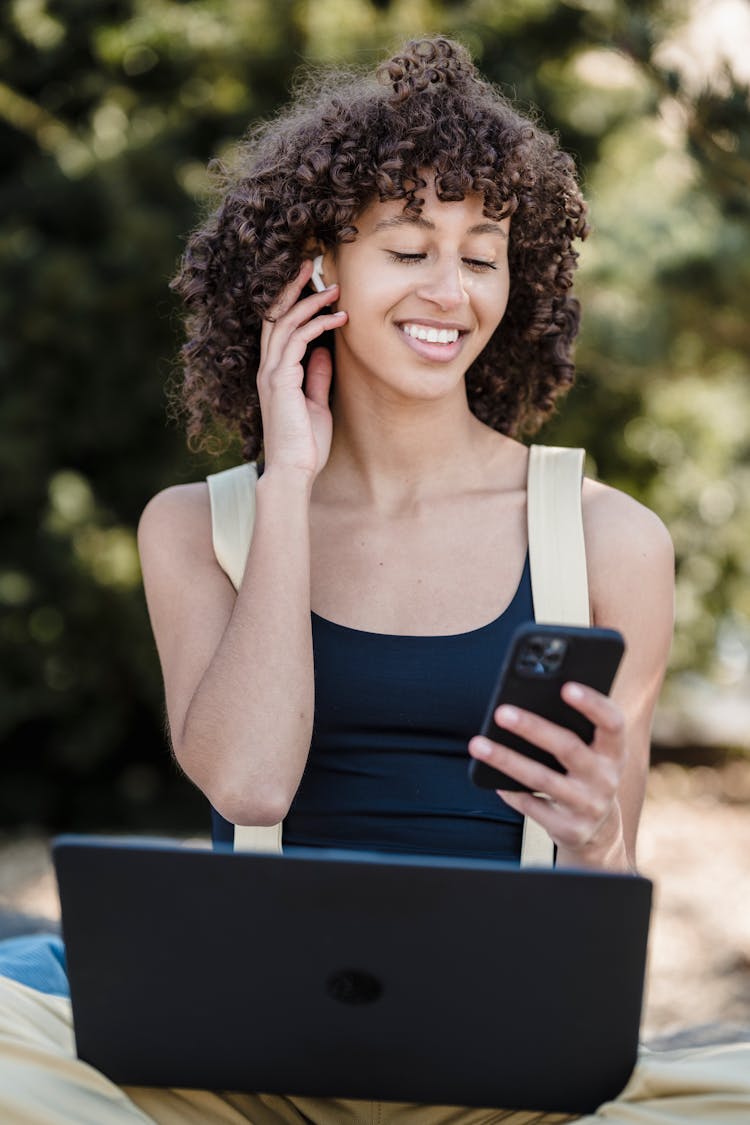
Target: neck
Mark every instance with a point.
(394, 455)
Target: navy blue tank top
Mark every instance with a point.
(387, 769)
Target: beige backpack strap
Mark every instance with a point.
(232, 496)
(559, 582)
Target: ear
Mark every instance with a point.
(328, 267)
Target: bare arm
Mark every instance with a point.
(238, 670)
(592, 811)
(631, 563)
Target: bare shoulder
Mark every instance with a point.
(629, 549)
(188, 595)
(615, 523)
(174, 521)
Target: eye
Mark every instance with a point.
(475, 263)
(478, 264)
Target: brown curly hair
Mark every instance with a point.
(303, 178)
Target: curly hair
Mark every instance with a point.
(303, 178)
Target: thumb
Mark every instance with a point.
(318, 376)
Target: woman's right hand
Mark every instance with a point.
(297, 422)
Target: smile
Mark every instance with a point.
(431, 335)
(436, 345)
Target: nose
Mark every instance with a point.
(444, 285)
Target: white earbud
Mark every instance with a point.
(317, 277)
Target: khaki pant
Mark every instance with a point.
(42, 1083)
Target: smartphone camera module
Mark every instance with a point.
(541, 656)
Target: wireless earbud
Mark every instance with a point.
(317, 277)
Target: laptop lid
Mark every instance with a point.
(341, 974)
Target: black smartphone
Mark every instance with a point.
(541, 658)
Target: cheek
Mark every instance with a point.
(494, 303)
(368, 298)
(355, 304)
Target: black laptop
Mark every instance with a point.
(342, 974)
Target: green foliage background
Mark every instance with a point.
(109, 111)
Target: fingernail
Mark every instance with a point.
(574, 691)
(340, 312)
(481, 749)
(333, 285)
(507, 715)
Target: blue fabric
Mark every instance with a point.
(37, 961)
(387, 769)
(222, 831)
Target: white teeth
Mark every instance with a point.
(431, 335)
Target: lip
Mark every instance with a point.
(435, 353)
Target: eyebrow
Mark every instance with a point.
(425, 224)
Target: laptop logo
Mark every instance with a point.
(350, 986)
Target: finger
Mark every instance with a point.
(585, 795)
(307, 307)
(599, 709)
(584, 800)
(545, 813)
(527, 804)
(570, 750)
(536, 776)
(290, 294)
(567, 829)
(306, 333)
(275, 333)
(555, 820)
(318, 376)
(286, 300)
(289, 362)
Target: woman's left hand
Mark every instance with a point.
(579, 809)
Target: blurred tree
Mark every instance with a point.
(109, 111)
(108, 114)
(665, 285)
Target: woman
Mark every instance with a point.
(394, 504)
(339, 687)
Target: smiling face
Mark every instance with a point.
(424, 295)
